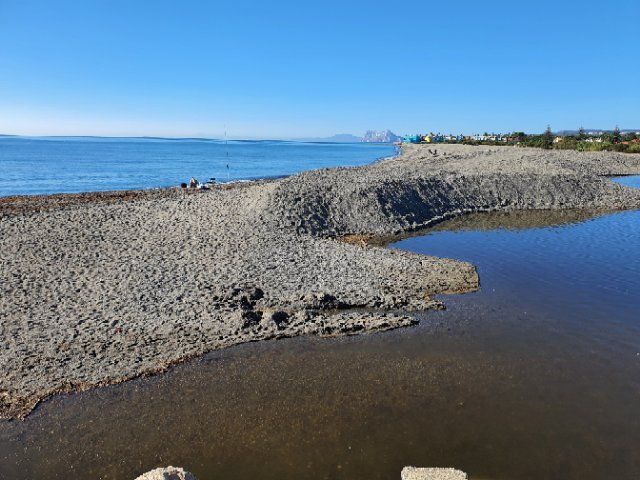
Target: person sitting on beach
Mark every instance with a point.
(193, 183)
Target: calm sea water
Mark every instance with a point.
(55, 165)
(535, 376)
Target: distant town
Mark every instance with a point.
(582, 140)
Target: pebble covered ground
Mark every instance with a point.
(99, 288)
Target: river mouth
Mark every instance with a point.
(537, 375)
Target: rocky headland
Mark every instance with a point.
(100, 288)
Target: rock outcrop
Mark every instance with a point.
(385, 136)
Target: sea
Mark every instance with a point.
(46, 165)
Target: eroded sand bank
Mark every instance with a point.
(98, 290)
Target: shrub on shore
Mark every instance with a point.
(614, 141)
(572, 144)
(608, 143)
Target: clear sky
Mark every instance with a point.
(290, 69)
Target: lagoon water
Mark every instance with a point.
(80, 164)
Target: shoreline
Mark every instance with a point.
(15, 197)
(26, 203)
(127, 288)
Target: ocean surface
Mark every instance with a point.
(41, 165)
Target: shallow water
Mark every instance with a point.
(536, 376)
(79, 164)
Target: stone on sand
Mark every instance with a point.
(415, 473)
(168, 473)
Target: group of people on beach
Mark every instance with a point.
(194, 184)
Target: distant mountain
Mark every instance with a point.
(386, 136)
(372, 136)
(339, 138)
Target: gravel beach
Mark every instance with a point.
(99, 288)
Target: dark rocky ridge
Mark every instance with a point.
(391, 197)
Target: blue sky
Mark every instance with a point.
(291, 69)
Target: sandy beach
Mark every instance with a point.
(100, 288)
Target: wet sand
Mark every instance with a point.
(94, 293)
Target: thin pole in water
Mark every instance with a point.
(226, 147)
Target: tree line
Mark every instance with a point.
(613, 141)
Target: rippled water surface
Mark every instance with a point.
(59, 164)
(536, 376)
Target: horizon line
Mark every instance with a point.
(275, 139)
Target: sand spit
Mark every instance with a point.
(96, 292)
